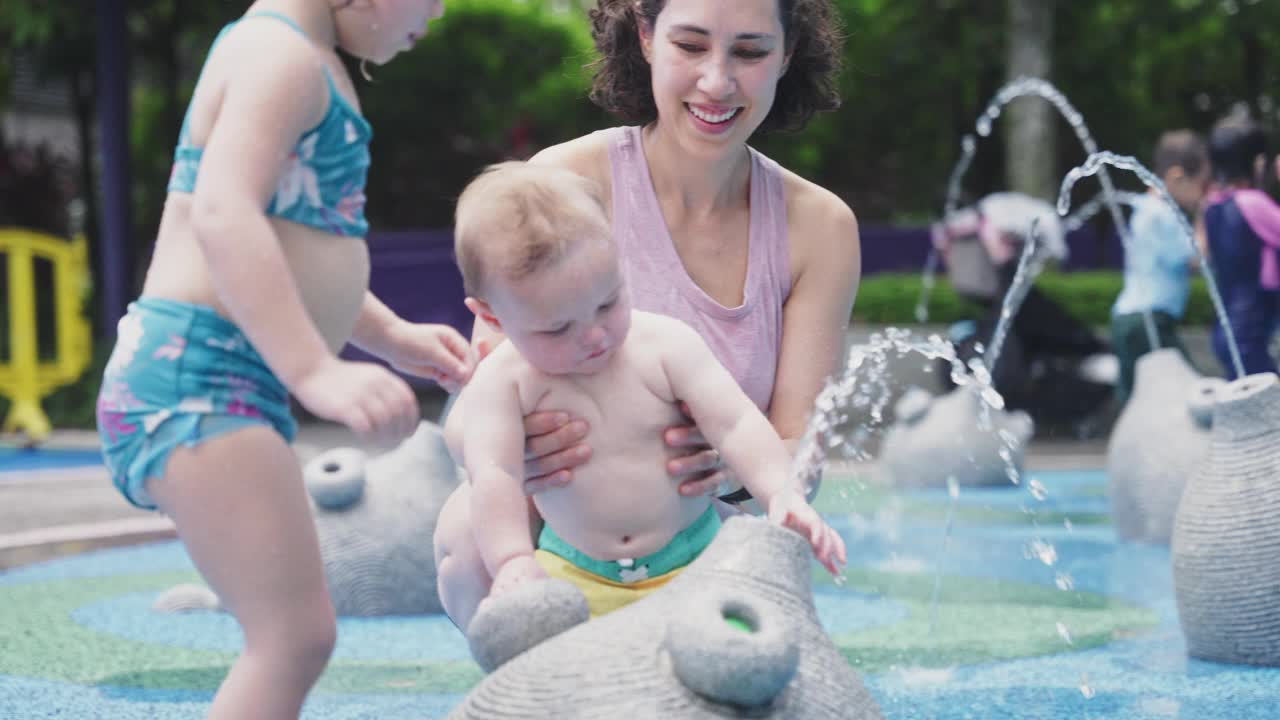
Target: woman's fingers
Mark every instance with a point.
(542, 483)
(553, 440)
(681, 436)
(704, 461)
(705, 485)
(566, 459)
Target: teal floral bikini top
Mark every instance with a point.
(322, 184)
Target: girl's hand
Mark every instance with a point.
(700, 471)
(370, 399)
(789, 509)
(433, 351)
(552, 448)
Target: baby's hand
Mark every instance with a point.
(789, 509)
(514, 572)
(367, 398)
(433, 351)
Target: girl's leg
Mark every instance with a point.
(242, 511)
(461, 577)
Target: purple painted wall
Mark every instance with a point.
(887, 248)
(414, 273)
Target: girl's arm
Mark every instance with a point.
(431, 350)
(265, 107)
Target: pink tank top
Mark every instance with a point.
(747, 339)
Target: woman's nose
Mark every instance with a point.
(717, 78)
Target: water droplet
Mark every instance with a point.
(1064, 582)
(1043, 551)
(1014, 476)
(953, 487)
(1066, 523)
(1085, 689)
(1038, 490)
(1065, 634)
(840, 580)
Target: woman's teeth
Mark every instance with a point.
(714, 119)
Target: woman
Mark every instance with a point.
(763, 263)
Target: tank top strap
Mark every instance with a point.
(627, 173)
(769, 247)
(277, 16)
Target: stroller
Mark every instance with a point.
(1051, 365)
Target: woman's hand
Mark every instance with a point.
(552, 448)
(700, 469)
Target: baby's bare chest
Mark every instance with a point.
(626, 414)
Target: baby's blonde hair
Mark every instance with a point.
(516, 218)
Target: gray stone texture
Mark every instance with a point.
(375, 518)
(1226, 535)
(495, 638)
(1159, 440)
(377, 550)
(934, 438)
(674, 654)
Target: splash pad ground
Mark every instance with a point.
(1005, 639)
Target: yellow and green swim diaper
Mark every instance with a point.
(612, 584)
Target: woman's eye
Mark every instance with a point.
(608, 306)
(689, 47)
(752, 54)
(558, 331)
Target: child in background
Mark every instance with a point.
(260, 275)
(1158, 259)
(539, 263)
(1242, 227)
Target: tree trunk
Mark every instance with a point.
(1030, 148)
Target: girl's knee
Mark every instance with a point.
(304, 640)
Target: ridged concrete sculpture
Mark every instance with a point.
(735, 635)
(1159, 440)
(933, 438)
(375, 518)
(1226, 537)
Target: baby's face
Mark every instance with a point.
(569, 317)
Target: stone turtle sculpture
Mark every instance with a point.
(735, 635)
(375, 519)
(1226, 535)
(1159, 440)
(934, 438)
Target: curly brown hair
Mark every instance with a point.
(812, 35)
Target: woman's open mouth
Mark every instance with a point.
(713, 119)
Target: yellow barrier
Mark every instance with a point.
(24, 379)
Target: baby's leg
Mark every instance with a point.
(461, 577)
(240, 507)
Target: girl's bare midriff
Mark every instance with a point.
(331, 272)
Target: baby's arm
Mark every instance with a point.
(493, 445)
(743, 436)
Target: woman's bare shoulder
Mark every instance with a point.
(587, 155)
(818, 220)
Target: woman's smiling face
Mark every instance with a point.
(715, 67)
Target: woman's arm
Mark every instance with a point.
(826, 265)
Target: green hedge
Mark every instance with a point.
(890, 298)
